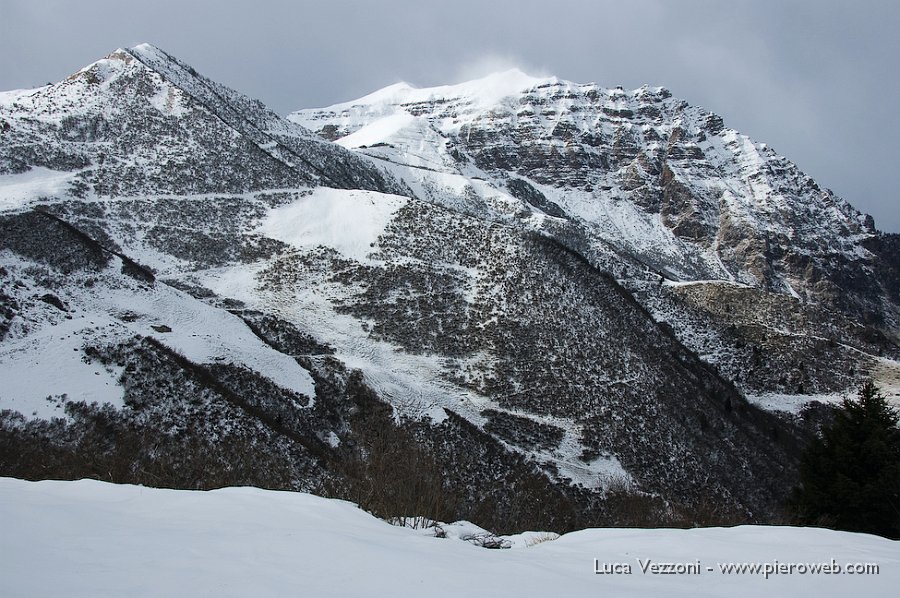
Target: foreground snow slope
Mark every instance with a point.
(89, 538)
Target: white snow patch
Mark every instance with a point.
(17, 190)
(688, 283)
(205, 334)
(377, 131)
(168, 100)
(347, 221)
(28, 382)
(886, 376)
(793, 404)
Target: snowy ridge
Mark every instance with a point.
(238, 109)
(476, 95)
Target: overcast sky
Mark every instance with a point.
(816, 80)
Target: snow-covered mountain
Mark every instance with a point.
(653, 189)
(650, 174)
(531, 295)
(141, 122)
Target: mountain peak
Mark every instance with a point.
(148, 52)
(490, 88)
(113, 63)
(145, 47)
(514, 78)
(496, 86)
(481, 92)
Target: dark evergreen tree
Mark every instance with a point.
(850, 473)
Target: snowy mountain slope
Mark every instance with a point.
(100, 305)
(444, 322)
(90, 538)
(463, 351)
(443, 314)
(249, 305)
(649, 188)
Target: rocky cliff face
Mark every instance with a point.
(653, 175)
(539, 293)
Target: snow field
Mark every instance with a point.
(90, 538)
(347, 221)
